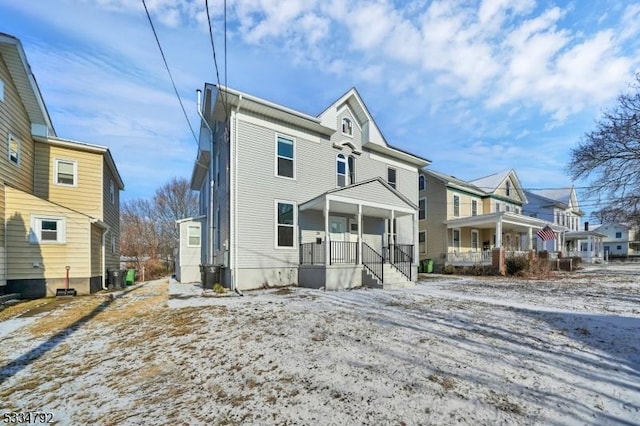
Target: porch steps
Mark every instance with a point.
(393, 279)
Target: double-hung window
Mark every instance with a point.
(112, 191)
(474, 207)
(456, 205)
(66, 172)
(285, 224)
(352, 169)
(193, 234)
(422, 208)
(422, 184)
(47, 230)
(285, 157)
(341, 170)
(13, 148)
(391, 177)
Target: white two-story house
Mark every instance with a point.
(295, 199)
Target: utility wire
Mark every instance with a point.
(166, 65)
(215, 60)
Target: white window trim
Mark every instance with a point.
(275, 165)
(276, 224)
(456, 197)
(395, 182)
(474, 213)
(56, 161)
(11, 137)
(113, 243)
(36, 229)
(346, 170)
(198, 227)
(453, 241)
(349, 135)
(422, 246)
(422, 179)
(477, 233)
(425, 208)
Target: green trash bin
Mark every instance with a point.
(130, 277)
(429, 266)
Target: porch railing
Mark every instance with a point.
(341, 252)
(373, 262)
(403, 258)
(472, 258)
(312, 253)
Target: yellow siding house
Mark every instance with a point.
(59, 199)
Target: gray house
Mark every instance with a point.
(293, 199)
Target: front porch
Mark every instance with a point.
(362, 234)
(472, 240)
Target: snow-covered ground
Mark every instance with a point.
(453, 350)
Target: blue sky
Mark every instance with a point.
(475, 86)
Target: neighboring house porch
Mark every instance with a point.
(362, 234)
(471, 240)
(588, 245)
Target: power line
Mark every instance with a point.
(213, 48)
(166, 65)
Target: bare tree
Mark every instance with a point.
(172, 201)
(148, 229)
(610, 156)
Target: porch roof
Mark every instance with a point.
(377, 198)
(582, 235)
(488, 221)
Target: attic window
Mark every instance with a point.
(347, 126)
(508, 188)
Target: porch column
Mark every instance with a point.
(392, 238)
(530, 237)
(416, 239)
(359, 257)
(327, 243)
(590, 248)
(499, 232)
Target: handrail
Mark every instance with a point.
(403, 258)
(373, 262)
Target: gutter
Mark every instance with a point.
(211, 181)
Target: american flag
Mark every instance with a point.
(546, 233)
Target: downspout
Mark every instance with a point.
(235, 200)
(211, 181)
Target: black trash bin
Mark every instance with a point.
(208, 275)
(116, 279)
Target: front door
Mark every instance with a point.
(337, 237)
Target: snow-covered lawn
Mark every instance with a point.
(453, 350)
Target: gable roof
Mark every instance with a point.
(454, 182)
(560, 197)
(26, 85)
(491, 183)
(373, 139)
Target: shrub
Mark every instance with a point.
(154, 268)
(449, 269)
(540, 267)
(517, 265)
(218, 288)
